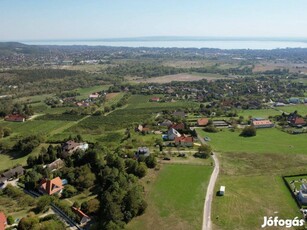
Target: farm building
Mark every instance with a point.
(262, 124)
(15, 118)
(222, 191)
(302, 195)
(202, 122)
(220, 124)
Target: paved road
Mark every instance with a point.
(210, 190)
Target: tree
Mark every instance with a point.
(31, 161)
(10, 220)
(76, 204)
(28, 223)
(85, 177)
(91, 206)
(151, 161)
(43, 203)
(141, 170)
(69, 191)
(203, 151)
(248, 131)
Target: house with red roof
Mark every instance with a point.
(178, 126)
(202, 121)
(2, 221)
(15, 118)
(297, 121)
(50, 187)
(155, 99)
(83, 217)
(184, 141)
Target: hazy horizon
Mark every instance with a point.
(49, 20)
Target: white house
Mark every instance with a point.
(172, 134)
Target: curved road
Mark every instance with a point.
(210, 190)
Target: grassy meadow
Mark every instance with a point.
(254, 188)
(172, 191)
(269, 140)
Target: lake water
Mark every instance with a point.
(267, 45)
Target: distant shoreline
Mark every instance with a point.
(219, 43)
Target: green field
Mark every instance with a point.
(85, 92)
(141, 101)
(263, 113)
(175, 199)
(301, 109)
(9, 161)
(269, 140)
(38, 127)
(254, 188)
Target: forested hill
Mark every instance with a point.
(11, 48)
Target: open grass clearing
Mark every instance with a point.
(14, 158)
(175, 197)
(258, 113)
(181, 77)
(301, 109)
(142, 101)
(270, 140)
(85, 92)
(34, 127)
(254, 188)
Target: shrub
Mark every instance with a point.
(211, 129)
(10, 220)
(248, 131)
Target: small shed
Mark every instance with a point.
(222, 191)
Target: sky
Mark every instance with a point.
(94, 19)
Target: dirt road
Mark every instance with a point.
(209, 195)
(210, 191)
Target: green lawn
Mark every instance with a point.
(175, 199)
(266, 141)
